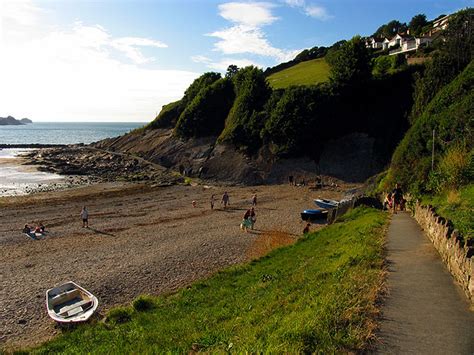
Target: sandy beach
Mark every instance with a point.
(141, 240)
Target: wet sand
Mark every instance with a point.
(141, 240)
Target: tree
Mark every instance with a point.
(231, 71)
(416, 24)
(351, 64)
(390, 29)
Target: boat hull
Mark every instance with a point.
(70, 303)
(326, 204)
(312, 215)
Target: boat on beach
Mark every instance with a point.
(326, 204)
(70, 303)
(310, 215)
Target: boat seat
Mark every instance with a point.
(67, 309)
(64, 296)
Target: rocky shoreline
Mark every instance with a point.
(99, 165)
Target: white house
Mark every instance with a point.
(440, 24)
(375, 43)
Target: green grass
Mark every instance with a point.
(457, 206)
(316, 295)
(310, 72)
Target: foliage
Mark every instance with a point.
(290, 127)
(205, 115)
(231, 71)
(306, 73)
(167, 117)
(390, 29)
(457, 206)
(416, 24)
(456, 47)
(453, 170)
(143, 303)
(351, 64)
(450, 114)
(119, 315)
(200, 83)
(245, 119)
(388, 64)
(316, 296)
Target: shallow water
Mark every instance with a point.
(17, 179)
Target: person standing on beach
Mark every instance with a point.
(225, 199)
(254, 200)
(85, 217)
(213, 199)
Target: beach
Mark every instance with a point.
(141, 240)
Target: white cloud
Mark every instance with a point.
(253, 14)
(311, 10)
(246, 35)
(73, 73)
(201, 59)
(129, 45)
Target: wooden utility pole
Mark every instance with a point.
(432, 152)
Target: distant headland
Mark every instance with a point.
(11, 121)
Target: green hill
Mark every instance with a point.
(306, 73)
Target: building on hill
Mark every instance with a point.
(375, 43)
(439, 25)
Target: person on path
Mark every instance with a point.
(254, 200)
(397, 195)
(225, 199)
(85, 217)
(213, 200)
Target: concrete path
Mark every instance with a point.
(425, 311)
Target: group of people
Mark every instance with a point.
(394, 200)
(31, 231)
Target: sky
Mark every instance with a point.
(122, 60)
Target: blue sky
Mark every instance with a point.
(115, 60)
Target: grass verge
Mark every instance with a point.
(317, 295)
(310, 72)
(457, 206)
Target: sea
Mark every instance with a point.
(17, 179)
(64, 132)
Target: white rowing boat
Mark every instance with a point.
(70, 303)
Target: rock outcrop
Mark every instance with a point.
(10, 121)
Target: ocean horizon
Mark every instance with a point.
(64, 132)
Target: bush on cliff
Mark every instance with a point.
(205, 115)
(246, 117)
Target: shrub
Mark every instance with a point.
(119, 315)
(143, 303)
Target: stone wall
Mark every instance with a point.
(456, 254)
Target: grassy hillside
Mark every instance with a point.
(317, 295)
(306, 73)
(450, 114)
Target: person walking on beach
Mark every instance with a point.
(213, 200)
(85, 217)
(225, 199)
(249, 219)
(254, 200)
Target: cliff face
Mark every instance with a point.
(202, 157)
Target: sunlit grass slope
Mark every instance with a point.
(306, 73)
(316, 295)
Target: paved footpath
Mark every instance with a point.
(425, 311)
